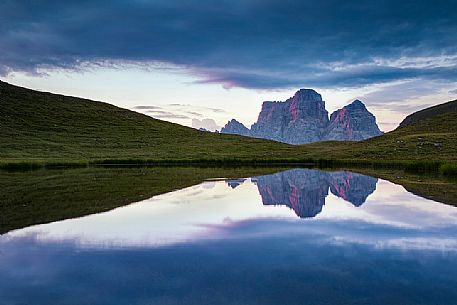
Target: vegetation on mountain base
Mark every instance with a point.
(47, 130)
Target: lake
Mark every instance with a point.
(295, 236)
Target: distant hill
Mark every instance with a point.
(449, 107)
(48, 128)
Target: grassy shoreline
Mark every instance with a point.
(45, 130)
(442, 167)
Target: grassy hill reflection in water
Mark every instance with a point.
(43, 196)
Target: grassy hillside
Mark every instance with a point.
(430, 139)
(44, 126)
(50, 128)
(430, 112)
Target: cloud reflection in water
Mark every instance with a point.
(358, 209)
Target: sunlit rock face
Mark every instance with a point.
(352, 123)
(303, 119)
(304, 190)
(300, 119)
(235, 127)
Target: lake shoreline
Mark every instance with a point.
(445, 168)
(44, 195)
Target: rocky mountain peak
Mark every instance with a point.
(352, 123)
(307, 95)
(287, 121)
(303, 119)
(235, 127)
(357, 104)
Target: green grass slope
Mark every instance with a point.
(37, 126)
(430, 112)
(49, 128)
(431, 138)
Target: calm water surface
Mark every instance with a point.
(296, 237)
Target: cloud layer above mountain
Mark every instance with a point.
(264, 44)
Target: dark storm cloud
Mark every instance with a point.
(246, 43)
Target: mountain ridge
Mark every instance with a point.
(303, 119)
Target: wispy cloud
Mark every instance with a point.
(406, 97)
(166, 115)
(146, 107)
(195, 113)
(182, 113)
(185, 107)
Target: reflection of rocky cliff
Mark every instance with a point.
(233, 183)
(352, 187)
(304, 190)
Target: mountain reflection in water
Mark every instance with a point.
(239, 242)
(222, 209)
(305, 190)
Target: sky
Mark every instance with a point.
(201, 63)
